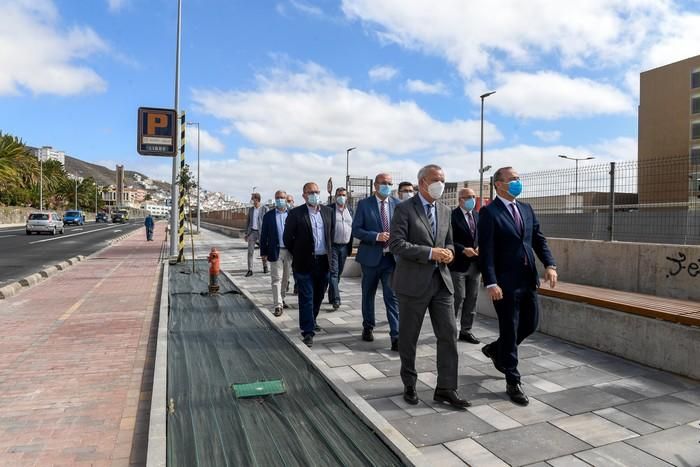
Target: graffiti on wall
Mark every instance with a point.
(681, 263)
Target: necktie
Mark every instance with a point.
(470, 221)
(431, 218)
(517, 218)
(385, 219)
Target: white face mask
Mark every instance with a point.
(405, 196)
(435, 189)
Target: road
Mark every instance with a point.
(22, 254)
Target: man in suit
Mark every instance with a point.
(342, 244)
(273, 249)
(465, 268)
(252, 230)
(509, 238)
(371, 226)
(406, 191)
(308, 235)
(421, 240)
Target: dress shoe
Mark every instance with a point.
(308, 340)
(516, 394)
(410, 395)
(249, 273)
(467, 336)
(317, 328)
(284, 305)
(489, 352)
(278, 311)
(336, 306)
(450, 396)
(367, 335)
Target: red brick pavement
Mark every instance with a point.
(76, 361)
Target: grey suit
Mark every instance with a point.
(422, 284)
(253, 235)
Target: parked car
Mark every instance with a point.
(118, 218)
(48, 221)
(74, 217)
(101, 217)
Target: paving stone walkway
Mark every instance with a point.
(76, 359)
(587, 407)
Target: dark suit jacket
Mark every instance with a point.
(462, 237)
(411, 241)
(502, 251)
(269, 238)
(366, 224)
(299, 236)
(332, 206)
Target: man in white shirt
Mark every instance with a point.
(342, 244)
(252, 231)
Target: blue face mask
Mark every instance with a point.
(384, 190)
(280, 203)
(515, 187)
(314, 199)
(469, 204)
(341, 200)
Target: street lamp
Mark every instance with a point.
(481, 162)
(576, 159)
(41, 183)
(76, 191)
(347, 169)
(198, 210)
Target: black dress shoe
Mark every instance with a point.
(336, 306)
(308, 340)
(516, 394)
(278, 311)
(450, 396)
(317, 328)
(467, 336)
(394, 344)
(488, 351)
(284, 305)
(249, 273)
(410, 395)
(367, 335)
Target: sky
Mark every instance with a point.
(281, 88)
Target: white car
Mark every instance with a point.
(49, 222)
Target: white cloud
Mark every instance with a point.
(116, 5)
(38, 55)
(315, 111)
(421, 87)
(547, 136)
(209, 142)
(551, 95)
(306, 8)
(382, 73)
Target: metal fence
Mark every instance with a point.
(651, 201)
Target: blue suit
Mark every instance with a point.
(507, 259)
(269, 237)
(376, 265)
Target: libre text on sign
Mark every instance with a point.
(157, 130)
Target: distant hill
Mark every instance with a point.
(105, 176)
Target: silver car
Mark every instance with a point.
(49, 222)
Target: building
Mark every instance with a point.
(157, 210)
(47, 153)
(669, 132)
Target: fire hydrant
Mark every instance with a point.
(214, 269)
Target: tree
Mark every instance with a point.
(187, 185)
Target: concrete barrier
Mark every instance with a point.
(31, 280)
(10, 290)
(230, 231)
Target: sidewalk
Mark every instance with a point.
(587, 407)
(76, 361)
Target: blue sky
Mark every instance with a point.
(282, 87)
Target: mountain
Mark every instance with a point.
(105, 176)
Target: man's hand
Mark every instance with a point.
(451, 256)
(550, 275)
(471, 252)
(441, 255)
(495, 293)
(383, 237)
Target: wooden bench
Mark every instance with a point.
(667, 309)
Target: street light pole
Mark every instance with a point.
(174, 192)
(576, 160)
(198, 210)
(347, 169)
(41, 183)
(481, 162)
(76, 192)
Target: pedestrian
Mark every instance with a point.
(342, 244)
(421, 239)
(406, 191)
(371, 226)
(308, 234)
(273, 250)
(148, 222)
(509, 238)
(252, 230)
(465, 268)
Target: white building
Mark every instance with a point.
(157, 210)
(47, 153)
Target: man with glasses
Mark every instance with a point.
(308, 235)
(406, 191)
(371, 226)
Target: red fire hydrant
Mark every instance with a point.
(214, 269)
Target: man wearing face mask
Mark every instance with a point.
(308, 235)
(342, 244)
(421, 240)
(273, 249)
(509, 238)
(465, 268)
(252, 230)
(405, 191)
(371, 226)
(290, 201)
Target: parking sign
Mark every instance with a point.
(157, 132)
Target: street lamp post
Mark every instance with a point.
(76, 192)
(173, 186)
(347, 169)
(576, 160)
(41, 183)
(198, 210)
(481, 163)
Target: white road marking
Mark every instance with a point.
(77, 230)
(5, 236)
(71, 235)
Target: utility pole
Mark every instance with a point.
(174, 192)
(41, 183)
(481, 163)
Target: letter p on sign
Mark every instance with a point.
(155, 121)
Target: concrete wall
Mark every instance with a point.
(14, 215)
(663, 270)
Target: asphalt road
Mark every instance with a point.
(22, 254)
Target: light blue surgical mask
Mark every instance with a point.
(515, 187)
(341, 200)
(469, 204)
(314, 199)
(280, 203)
(384, 190)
